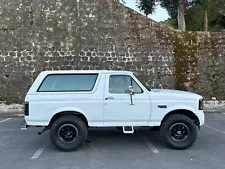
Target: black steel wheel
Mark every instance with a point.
(68, 133)
(179, 131)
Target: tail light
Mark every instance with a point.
(26, 108)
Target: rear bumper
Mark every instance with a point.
(36, 122)
(24, 125)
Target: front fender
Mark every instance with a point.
(179, 107)
(158, 114)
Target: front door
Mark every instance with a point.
(118, 110)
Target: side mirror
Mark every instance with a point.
(131, 90)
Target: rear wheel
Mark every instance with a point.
(178, 131)
(68, 133)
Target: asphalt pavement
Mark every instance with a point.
(109, 148)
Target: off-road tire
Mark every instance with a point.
(168, 138)
(81, 132)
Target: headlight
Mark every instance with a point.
(201, 104)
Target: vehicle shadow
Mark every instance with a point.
(114, 135)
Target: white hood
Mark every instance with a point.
(169, 91)
(175, 93)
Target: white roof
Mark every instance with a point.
(86, 71)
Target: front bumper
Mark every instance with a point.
(201, 116)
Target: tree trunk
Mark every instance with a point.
(205, 21)
(180, 16)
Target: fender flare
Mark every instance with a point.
(73, 110)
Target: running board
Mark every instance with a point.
(128, 129)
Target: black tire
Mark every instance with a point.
(119, 128)
(178, 131)
(68, 133)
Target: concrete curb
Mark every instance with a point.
(215, 111)
(12, 112)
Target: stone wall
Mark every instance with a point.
(37, 35)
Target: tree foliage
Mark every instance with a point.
(149, 6)
(175, 8)
(216, 15)
(194, 12)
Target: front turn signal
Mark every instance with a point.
(201, 104)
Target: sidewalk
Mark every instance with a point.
(11, 109)
(214, 106)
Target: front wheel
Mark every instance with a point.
(178, 131)
(68, 133)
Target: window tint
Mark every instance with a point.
(68, 82)
(120, 84)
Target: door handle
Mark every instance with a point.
(109, 98)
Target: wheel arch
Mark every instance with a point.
(63, 113)
(185, 112)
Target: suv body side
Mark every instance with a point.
(101, 107)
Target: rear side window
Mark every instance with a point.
(68, 83)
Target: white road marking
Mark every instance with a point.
(13, 130)
(23, 128)
(150, 145)
(5, 120)
(38, 153)
(218, 130)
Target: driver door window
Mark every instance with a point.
(119, 84)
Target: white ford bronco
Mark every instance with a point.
(69, 102)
